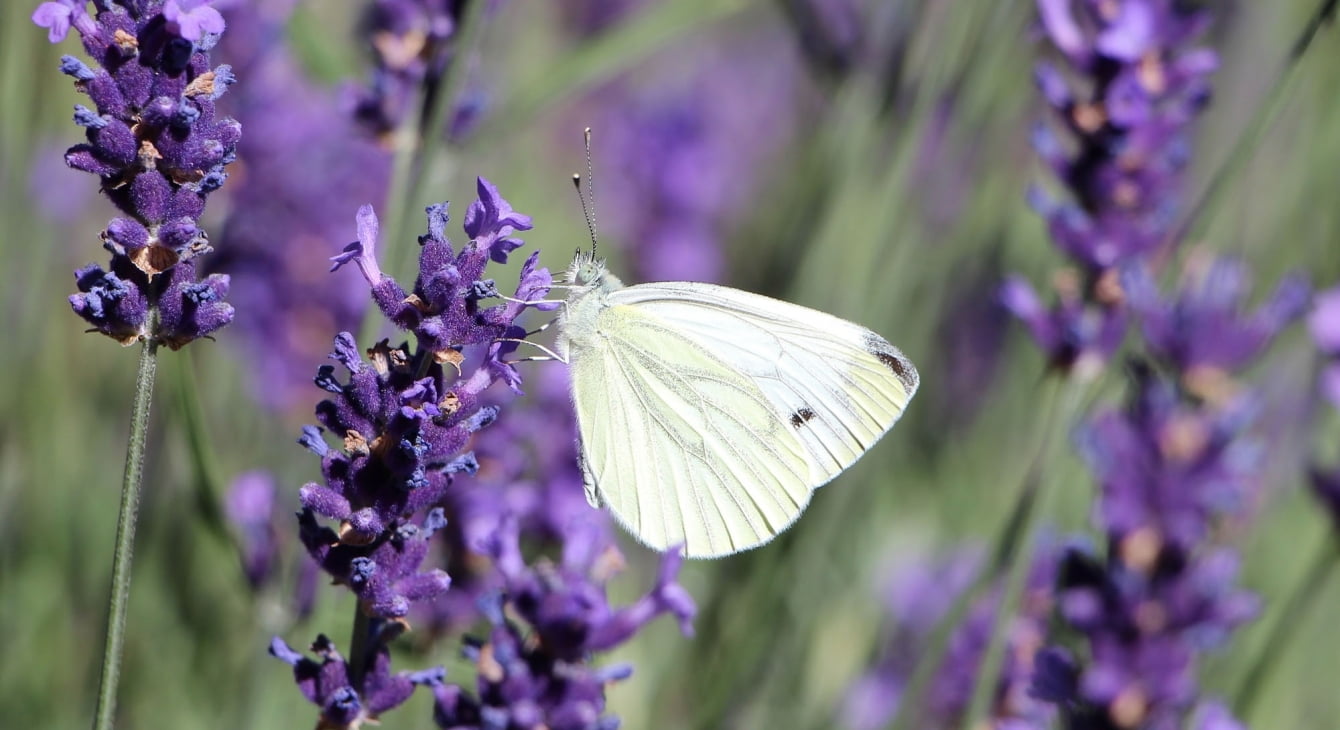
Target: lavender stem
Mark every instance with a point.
(1254, 133)
(1043, 488)
(438, 98)
(125, 535)
(358, 644)
(209, 492)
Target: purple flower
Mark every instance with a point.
(1136, 89)
(1205, 329)
(1170, 467)
(538, 676)
(192, 19)
(413, 43)
(1077, 335)
(1167, 468)
(348, 699)
(688, 158)
(542, 493)
(404, 418)
(159, 149)
(60, 15)
(444, 311)
(250, 507)
(1324, 323)
(363, 252)
(1213, 715)
(1145, 624)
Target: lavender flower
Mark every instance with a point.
(59, 16)
(688, 158)
(1204, 332)
(192, 19)
(1324, 323)
(155, 142)
(404, 423)
(250, 507)
(413, 43)
(351, 696)
(1171, 466)
(538, 676)
(306, 166)
(406, 418)
(542, 493)
(1121, 167)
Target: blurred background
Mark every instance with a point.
(868, 159)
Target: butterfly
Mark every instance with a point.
(708, 415)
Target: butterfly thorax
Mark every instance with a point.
(590, 285)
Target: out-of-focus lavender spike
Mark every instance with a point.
(250, 507)
(1182, 457)
(677, 166)
(306, 165)
(1324, 325)
(1132, 85)
(413, 43)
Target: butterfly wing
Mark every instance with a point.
(680, 447)
(836, 384)
(709, 414)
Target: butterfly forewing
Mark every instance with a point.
(838, 386)
(704, 459)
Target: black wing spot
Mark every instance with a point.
(894, 361)
(800, 417)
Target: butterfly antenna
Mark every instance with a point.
(588, 197)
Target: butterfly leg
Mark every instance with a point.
(549, 354)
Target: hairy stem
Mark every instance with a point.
(125, 538)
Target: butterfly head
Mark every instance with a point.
(588, 272)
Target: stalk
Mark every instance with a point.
(131, 482)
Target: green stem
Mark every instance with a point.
(125, 537)
(208, 484)
(358, 646)
(1255, 131)
(439, 99)
(1288, 621)
(1044, 486)
(414, 151)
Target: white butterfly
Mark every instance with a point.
(708, 415)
